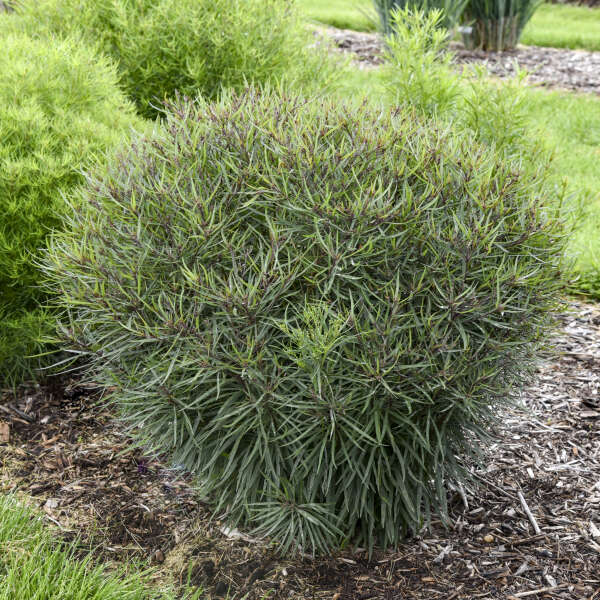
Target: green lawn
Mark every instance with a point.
(571, 125)
(345, 14)
(564, 26)
(34, 565)
(557, 25)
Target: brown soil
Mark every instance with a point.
(531, 529)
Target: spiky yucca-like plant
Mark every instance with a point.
(60, 106)
(315, 308)
(451, 11)
(497, 25)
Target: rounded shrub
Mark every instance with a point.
(190, 46)
(59, 107)
(316, 308)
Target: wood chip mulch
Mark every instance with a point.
(531, 529)
(576, 70)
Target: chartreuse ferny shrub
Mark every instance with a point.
(316, 308)
(59, 107)
(190, 46)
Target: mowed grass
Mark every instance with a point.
(554, 25)
(344, 14)
(564, 26)
(34, 565)
(571, 125)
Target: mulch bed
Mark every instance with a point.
(531, 530)
(576, 70)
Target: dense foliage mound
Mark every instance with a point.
(59, 106)
(316, 308)
(191, 46)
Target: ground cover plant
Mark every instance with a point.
(190, 46)
(34, 564)
(60, 106)
(313, 307)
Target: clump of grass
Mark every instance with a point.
(315, 307)
(34, 564)
(450, 11)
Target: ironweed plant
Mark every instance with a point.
(60, 106)
(316, 308)
(419, 73)
(418, 69)
(190, 46)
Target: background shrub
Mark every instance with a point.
(316, 308)
(192, 46)
(418, 69)
(59, 107)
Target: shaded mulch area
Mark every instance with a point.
(530, 530)
(66, 451)
(577, 70)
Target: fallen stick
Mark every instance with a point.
(17, 412)
(529, 514)
(539, 591)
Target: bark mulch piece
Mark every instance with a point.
(530, 530)
(577, 70)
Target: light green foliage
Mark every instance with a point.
(314, 307)
(190, 46)
(497, 111)
(498, 24)
(36, 566)
(59, 107)
(448, 11)
(418, 67)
